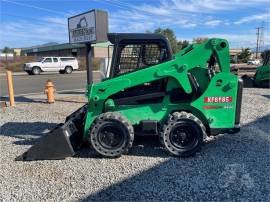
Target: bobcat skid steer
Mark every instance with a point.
(182, 98)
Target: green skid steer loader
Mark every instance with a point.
(262, 75)
(182, 98)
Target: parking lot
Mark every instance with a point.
(229, 167)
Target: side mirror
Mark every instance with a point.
(104, 70)
(102, 76)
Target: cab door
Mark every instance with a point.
(47, 64)
(56, 64)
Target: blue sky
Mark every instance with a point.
(26, 23)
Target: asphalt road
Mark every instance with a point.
(26, 84)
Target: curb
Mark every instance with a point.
(60, 95)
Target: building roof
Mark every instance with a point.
(63, 47)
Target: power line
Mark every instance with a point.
(119, 4)
(35, 7)
(123, 4)
(110, 3)
(35, 19)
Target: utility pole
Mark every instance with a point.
(260, 39)
(257, 44)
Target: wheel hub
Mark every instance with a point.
(111, 137)
(182, 136)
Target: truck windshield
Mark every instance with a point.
(40, 59)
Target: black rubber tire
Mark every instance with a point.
(36, 70)
(68, 70)
(196, 131)
(62, 71)
(262, 84)
(29, 73)
(121, 125)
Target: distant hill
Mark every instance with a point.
(48, 44)
(42, 45)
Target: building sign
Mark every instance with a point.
(89, 27)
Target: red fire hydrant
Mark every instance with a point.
(50, 90)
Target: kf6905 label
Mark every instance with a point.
(218, 99)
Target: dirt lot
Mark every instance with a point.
(229, 167)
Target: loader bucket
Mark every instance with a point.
(61, 142)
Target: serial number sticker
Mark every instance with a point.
(218, 99)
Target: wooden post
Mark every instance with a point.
(10, 89)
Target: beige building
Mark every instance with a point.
(17, 51)
(235, 51)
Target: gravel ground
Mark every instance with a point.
(229, 167)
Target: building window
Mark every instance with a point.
(67, 59)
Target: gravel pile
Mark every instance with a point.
(229, 167)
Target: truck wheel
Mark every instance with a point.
(111, 134)
(183, 134)
(36, 70)
(29, 73)
(68, 70)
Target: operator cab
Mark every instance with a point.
(136, 51)
(132, 52)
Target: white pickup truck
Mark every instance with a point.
(52, 64)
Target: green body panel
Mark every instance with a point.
(224, 115)
(192, 59)
(262, 74)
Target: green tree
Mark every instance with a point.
(171, 37)
(199, 39)
(182, 44)
(265, 57)
(244, 55)
(7, 50)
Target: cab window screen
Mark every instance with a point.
(138, 56)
